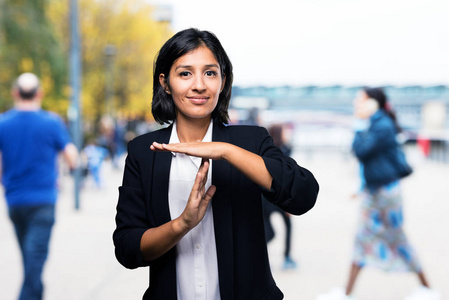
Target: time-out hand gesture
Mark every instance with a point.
(158, 240)
(250, 164)
(199, 198)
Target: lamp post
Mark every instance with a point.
(74, 113)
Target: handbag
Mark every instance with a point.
(402, 167)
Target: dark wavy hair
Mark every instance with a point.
(379, 95)
(183, 42)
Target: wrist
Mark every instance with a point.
(179, 227)
(226, 150)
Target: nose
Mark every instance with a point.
(199, 84)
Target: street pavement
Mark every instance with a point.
(82, 265)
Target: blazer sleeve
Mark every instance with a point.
(131, 220)
(294, 188)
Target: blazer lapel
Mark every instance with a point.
(160, 181)
(160, 176)
(222, 211)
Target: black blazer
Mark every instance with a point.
(243, 266)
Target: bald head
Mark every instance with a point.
(27, 86)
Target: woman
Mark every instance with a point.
(198, 247)
(380, 240)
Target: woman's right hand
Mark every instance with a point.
(198, 200)
(158, 240)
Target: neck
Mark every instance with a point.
(189, 131)
(31, 105)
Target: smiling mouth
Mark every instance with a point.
(198, 100)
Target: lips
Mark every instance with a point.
(198, 100)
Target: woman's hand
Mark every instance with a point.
(250, 164)
(207, 150)
(157, 241)
(198, 200)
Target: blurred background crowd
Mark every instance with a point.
(118, 40)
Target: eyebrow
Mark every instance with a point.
(189, 66)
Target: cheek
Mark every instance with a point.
(177, 91)
(358, 100)
(217, 88)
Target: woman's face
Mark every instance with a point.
(195, 84)
(364, 106)
(360, 98)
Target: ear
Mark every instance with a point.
(164, 84)
(39, 95)
(371, 106)
(15, 93)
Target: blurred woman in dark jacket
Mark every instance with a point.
(380, 240)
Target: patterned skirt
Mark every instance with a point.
(380, 241)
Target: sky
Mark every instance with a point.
(326, 42)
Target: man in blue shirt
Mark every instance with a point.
(30, 141)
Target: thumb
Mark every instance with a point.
(208, 195)
(211, 191)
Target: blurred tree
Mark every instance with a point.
(127, 26)
(28, 44)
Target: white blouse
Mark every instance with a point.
(196, 260)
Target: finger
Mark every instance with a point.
(204, 168)
(199, 185)
(157, 147)
(210, 191)
(208, 195)
(175, 147)
(205, 165)
(198, 189)
(169, 147)
(196, 149)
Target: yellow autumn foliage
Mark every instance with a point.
(128, 26)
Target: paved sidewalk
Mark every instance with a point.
(82, 265)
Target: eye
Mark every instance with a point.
(184, 73)
(211, 73)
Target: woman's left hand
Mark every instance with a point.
(207, 150)
(250, 164)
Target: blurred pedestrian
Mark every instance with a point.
(164, 220)
(276, 131)
(30, 141)
(107, 137)
(380, 241)
(93, 156)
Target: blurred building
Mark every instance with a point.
(422, 112)
(408, 101)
